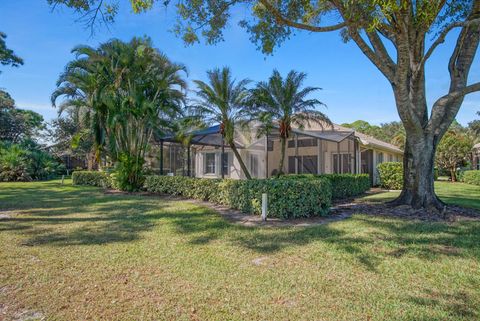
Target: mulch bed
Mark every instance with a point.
(452, 213)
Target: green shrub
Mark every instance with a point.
(27, 163)
(391, 175)
(343, 185)
(92, 178)
(129, 173)
(286, 198)
(348, 185)
(471, 177)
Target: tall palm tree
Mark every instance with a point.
(78, 88)
(223, 100)
(132, 90)
(280, 103)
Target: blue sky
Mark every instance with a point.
(352, 87)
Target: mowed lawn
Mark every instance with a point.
(75, 253)
(452, 193)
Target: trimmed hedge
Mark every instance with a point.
(391, 175)
(343, 185)
(286, 198)
(92, 178)
(471, 177)
(291, 196)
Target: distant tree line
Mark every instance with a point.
(453, 152)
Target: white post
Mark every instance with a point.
(264, 206)
(63, 177)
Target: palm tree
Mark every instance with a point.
(281, 103)
(132, 90)
(78, 86)
(223, 100)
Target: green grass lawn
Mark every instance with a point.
(74, 253)
(452, 193)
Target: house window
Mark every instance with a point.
(209, 163)
(342, 163)
(254, 165)
(308, 164)
(390, 158)
(379, 158)
(307, 142)
(291, 164)
(304, 142)
(225, 164)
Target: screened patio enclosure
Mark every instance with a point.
(313, 151)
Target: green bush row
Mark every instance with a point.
(391, 175)
(471, 177)
(92, 178)
(343, 185)
(286, 198)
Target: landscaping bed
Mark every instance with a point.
(292, 196)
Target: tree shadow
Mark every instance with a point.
(52, 215)
(458, 304)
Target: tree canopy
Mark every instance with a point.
(17, 124)
(7, 56)
(126, 92)
(453, 151)
(392, 132)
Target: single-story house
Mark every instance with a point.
(315, 149)
(476, 157)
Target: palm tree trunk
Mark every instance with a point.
(240, 160)
(283, 141)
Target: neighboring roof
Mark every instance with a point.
(330, 135)
(370, 141)
(339, 133)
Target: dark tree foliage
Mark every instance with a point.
(7, 56)
(474, 127)
(17, 124)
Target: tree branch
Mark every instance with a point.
(443, 34)
(374, 57)
(282, 19)
(463, 92)
(445, 108)
(380, 49)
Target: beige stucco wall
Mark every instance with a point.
(324, 152)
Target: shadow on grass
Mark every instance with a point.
(49, 215)
(459, 304)
(54, 215)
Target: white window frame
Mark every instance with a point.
(250, 168)
(229, 163)
(214, 164)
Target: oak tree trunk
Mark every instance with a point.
(418, 174)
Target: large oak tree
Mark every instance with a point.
(393, 34)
